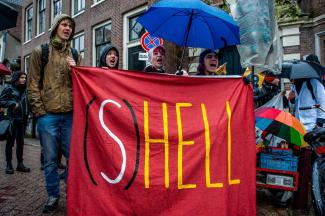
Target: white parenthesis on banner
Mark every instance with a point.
(116, 139)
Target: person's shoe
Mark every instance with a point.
(61, 166)
(9, 168)
(51, 204)
(22, 168)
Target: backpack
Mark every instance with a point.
(45, 60)
(310, 88)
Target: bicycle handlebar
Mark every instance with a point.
(312, 107)
(306, 108)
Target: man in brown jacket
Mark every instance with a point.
(50, 96)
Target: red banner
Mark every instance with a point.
(156, 144)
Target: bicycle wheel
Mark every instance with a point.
(318, 186)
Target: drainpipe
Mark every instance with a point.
(4, 42)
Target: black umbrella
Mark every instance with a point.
(300, 69)
(8, 16)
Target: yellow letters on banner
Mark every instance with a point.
(230, 181)
(181, 142)
(207, 151)
(148, 141)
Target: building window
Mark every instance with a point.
(41, 16)
(131, 36)
(56, 8)
(102, 35)
(27, 63)
(136, 30)
(78, 6)
(28, 23)
(79, 43)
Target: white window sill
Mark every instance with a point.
(97, 3)
(77, 14)
(40, 34)
(27, 41)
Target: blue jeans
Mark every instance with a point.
(54, 129)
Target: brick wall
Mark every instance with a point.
(318, 7)
(291, 49)
(313, 8)
(112, 11)
(306, 41)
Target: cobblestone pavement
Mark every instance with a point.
(24, 193)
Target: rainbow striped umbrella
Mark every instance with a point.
(280, 124)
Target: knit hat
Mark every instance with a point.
(56, 23)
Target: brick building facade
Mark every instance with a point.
(306, 35)
(98, 22)
(10, 39)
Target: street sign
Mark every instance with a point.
(148, 41)
(143, 56)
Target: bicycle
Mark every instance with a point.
(316, 140)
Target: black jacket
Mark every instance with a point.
(12, 95)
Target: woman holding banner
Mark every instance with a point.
(208, 63)
(156, 58)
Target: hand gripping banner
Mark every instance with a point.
(157, 144)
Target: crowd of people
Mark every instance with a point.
(48, 87)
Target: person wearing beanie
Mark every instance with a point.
(109, 58)
(313, 58)
(50, 96)
(208, 63)
(13, 97)
(156, 58)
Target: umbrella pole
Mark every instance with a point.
(252, 77)
(187, 34)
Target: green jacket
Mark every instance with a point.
(56, 94)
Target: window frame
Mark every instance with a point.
(76, 13)
(80, 34)
(94, 39)
(39, 11)
(27, 22)
(52, 9)
(318, 51)
(26, 59)
(126, 43)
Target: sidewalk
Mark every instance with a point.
(24, 193)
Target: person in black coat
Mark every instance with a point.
(109, 58)
(13, 97)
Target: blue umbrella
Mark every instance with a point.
(191, 23)
(300, 69)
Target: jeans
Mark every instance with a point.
(54, 131)
(18, 131)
